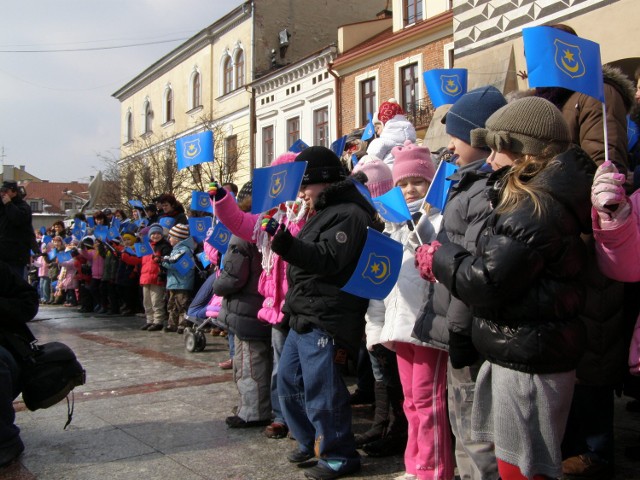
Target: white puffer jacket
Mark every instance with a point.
(395, 132)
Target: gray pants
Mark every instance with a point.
(252, 374)
(475, 460)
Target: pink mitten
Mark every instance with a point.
(424, 260)
(634, 350)
(607, 193)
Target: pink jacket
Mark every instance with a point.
(68, 281)
(213, 308)
(97, 262)
(618, 253)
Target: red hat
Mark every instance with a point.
(388, 110)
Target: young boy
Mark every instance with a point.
(179, 284)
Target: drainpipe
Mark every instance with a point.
(338, 85)
(252, 103)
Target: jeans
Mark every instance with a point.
(315, 400)
(277, 344)
(9, 390)
(45, 289)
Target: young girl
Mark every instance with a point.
(390, 322)
(525, 286)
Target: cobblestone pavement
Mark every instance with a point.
(151, 410)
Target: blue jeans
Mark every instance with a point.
(315, 400)
(9, 390)
(277, 344)
(45, 289)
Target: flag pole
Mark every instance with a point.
(606, 132)
(415, 228)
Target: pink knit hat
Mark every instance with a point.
(286, 157)
(380, 180)
(412, 161)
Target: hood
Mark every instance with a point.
(188, 243)
(344, 191)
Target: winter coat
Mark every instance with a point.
(525, 282)
(18, 304)
(95, 259)
(467, 209)
(321, 260)
(68, 281)
(175, 279)
(151, 273)
(110, 264)
(126, 275)
(238, 287)
(395, 132)
(392, 320)
(16, 232)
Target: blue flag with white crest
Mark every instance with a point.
(558, 59)
(136, 204)
(204, 260)
(200, 202)
(112, 233)
(276, 184)
(64, 257)
(52, 254)
(166, 222)
(369, 130)
(298, 146)
(439, 188)
(378, 267)
(143, 248)
(184, 264)
(219, 238)
(445, 85)
(194, 149)
(198, 227)
(392, 206)
(101, 232)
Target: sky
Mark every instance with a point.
(57, 115)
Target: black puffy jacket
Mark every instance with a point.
(525, 282)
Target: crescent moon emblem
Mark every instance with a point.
(384, 271)
(571, 69)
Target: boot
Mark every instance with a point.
(380, 418)
(395, 439)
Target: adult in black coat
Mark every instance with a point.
(16, 232)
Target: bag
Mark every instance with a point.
(49, 372)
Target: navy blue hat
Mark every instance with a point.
(471, 111)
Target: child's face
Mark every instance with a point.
(128, 242)
(413, 188)
(57, 244)
(497, 160)
(466, 154)
(155, 237)
(173, 241)
(310, 193)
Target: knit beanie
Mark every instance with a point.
(323, 166)
(388, 110)
(245, 191)
(412, 160)
(180, 231)
(155, 228)
(129, 236)
(530, 125)
(286, 157)
(471, 111)
(380, 179)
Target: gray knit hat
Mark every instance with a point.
(531, 126)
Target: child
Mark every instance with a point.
(396, 130)
(179, 285)
(152, 278)
(127, 278)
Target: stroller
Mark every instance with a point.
(195, 339)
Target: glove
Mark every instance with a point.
(269, 225)
(607, 193)
(282, 240)
(216, 192)
(424, 260)
(462, 353)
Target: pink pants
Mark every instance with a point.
(423, 373)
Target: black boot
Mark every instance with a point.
(380, 418)
(395, 439)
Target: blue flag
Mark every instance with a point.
(136, 204)
(184, 264)
(392, 206)
(198, 227)
(219, 238)
(559, 59)
(298, 146)
(277, 184)
(101, 232)
(167, 222)
(141, 222)
(115, 223)
(112, 233)
(204, 260)
(445, 85)
(378, 267)
(64, 257)
(129, 227)
(52, 254)
(200, 202)
(632, 133)
(338, 146)
(439, 188)
(68, 240)
(46, 239)
(143, 248)
(194, 149)
(91, 222)
(130, 251)
(369, 130)
(43, 230)
(79, 229)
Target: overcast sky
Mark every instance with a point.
(56, 109)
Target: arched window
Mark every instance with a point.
(168, 104)
(239, 68)
(148, 117)
(227, 68)
(196, 99)
(129, 123)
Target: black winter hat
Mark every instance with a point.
(323, 166)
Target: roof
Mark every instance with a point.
(53, 193)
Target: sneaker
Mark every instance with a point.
(170, 329)
(226, 365)
(585, 466)
(237, 422)
(276, 430)
(10, 453)
(299, 457)
(154, 327)
(322, 472)
(146, 326)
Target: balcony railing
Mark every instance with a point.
(420, 113)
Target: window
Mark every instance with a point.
(231, 154)
(368, 101)
(68, 205)
(267, 145)
(409, 85)
(293, 130)
(227, 69)
(168, 104)
(129, 122)
(239, 69)
(412, 10)
(34, 206)
(195, 90)
(148, 117)
(321, 127)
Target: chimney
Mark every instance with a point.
(22, 167)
